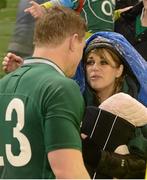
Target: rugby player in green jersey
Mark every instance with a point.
(41, 108)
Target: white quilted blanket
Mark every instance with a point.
(126, 107)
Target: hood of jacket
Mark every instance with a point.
(132, 59)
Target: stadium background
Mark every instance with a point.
(7, 22)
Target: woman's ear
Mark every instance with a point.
(119, 71)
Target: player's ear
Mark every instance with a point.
(73, 42)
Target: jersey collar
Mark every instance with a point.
(44, 61)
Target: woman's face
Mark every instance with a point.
(101, 72)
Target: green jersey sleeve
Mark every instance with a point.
(64, 108)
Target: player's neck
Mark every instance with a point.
(56, 55)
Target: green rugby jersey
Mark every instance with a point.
(98, 14)
(40, 111)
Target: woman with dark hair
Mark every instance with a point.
(114, 90)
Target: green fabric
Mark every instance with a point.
(99, 15)
(138, 145)
(125, 87)
(45, 113)
(139, 28)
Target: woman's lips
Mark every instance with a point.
(95, 77)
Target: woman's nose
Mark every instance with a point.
(96, 66)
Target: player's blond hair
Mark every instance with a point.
(58, 24)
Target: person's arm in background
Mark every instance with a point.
(37, 10)
(11, 62)
(68, 164)
(117, 12)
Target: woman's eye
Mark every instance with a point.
(103, 62)
(90, 62)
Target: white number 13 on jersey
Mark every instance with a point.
(25, 149)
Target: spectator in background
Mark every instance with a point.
(111, 66)
(97, 14)
(133, 25)
(120, 4)
(42, 108)
(22, 39)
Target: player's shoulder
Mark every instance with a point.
(65, 83)
(61, 88)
